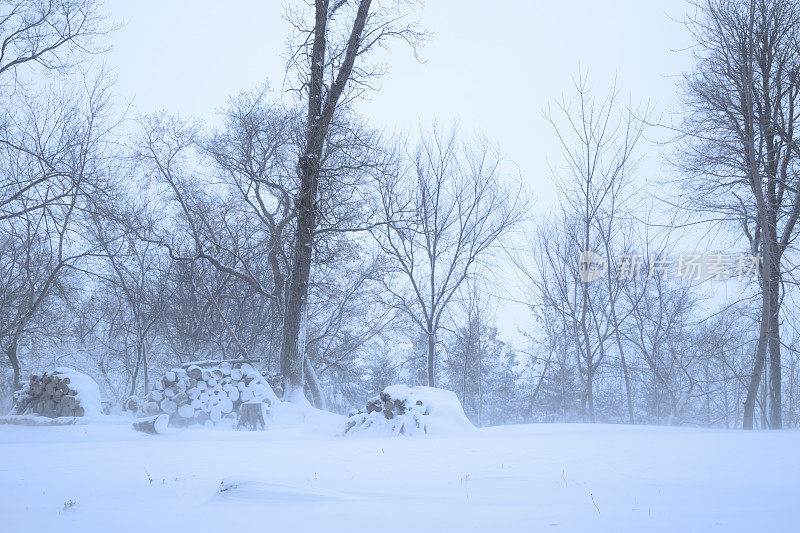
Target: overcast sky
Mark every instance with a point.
(492, 66)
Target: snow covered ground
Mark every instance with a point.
(106, 477)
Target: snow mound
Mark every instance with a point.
(403, 410)
(88, 392)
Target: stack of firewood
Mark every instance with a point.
(207, 392)
(55, 394)
(398, 416)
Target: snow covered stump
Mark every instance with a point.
(253, 416)
(402, 410)
(64, 392)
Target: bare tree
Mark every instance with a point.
(242, 223)
(51, 33)
(740, 149)
(659, 328)
(54, 35)
(38, 135)
(330, 61)
(136, 277)
(64, 137)
(598, 140)
(446, 209)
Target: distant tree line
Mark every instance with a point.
(345, 259)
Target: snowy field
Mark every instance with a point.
(106, 477)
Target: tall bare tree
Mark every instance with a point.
(446, 209)
(598, 139)
(740, 148)
(332, 70)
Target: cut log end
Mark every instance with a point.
(153, 425)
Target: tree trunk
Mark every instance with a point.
(631, 418)
(775, 418)
(12, 357)
(758, 365)
(136, 370)
(291, 352)
(464, 378)
(590, 392)
(431, 358)
(144, 366)
(317, 396)
(322, 103)
(622, 360)
(763, 336)
(763, 404)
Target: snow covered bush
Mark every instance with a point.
(62, 392)
(402, 410)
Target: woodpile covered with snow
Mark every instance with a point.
(402, 410)
(63, 392)
(207, 393)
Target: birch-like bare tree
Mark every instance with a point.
(598, 138)
(445, 211)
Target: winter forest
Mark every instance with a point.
(303, 300)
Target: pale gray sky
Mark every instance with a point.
(492, 66)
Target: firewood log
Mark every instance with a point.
(154, 425)
(225, 405)
(195, 372)
(168, 406)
